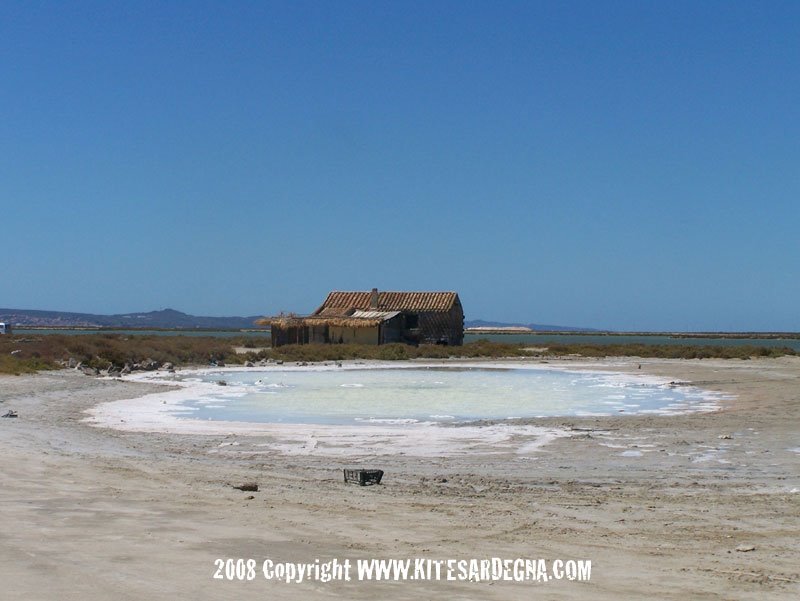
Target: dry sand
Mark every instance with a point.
(658, 503)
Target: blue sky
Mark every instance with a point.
(623, 165)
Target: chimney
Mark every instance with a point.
(373, 299)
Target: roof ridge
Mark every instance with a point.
(391, 300)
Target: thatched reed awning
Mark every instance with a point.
(359, 319)
(343, 322)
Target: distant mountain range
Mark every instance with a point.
(172, 319)
(167, 318)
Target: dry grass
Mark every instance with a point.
(669, 351)
(393, 352)
(101, 350)
(25, 354)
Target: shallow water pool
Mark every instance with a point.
(429, 394)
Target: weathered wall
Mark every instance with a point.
(318, 334)
(446, 327)
(353, 335)
(392, 330)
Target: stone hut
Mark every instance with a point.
(375, 318)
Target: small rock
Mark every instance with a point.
(247, 486)
(222, 383)
(745, 548)
(725, 437)
(72, 363)
(249, 497)
(149, 364)
(168, 366)
(249, 364)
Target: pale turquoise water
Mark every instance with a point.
(545, 339)
(445, 395)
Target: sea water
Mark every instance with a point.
(439, 395)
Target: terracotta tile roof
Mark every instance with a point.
(388, 301)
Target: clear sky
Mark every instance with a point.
(624, 165)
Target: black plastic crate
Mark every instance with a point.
(363, 477)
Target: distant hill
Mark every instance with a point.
(480, 323)
(172, 319)
(167, 318)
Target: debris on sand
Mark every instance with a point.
(363, 477)
(745, 548)
(247, 486)
(10, 413)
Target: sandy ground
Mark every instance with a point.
(659, 504)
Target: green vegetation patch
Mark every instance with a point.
(27, 354)
(669, 351)
(21, 354)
